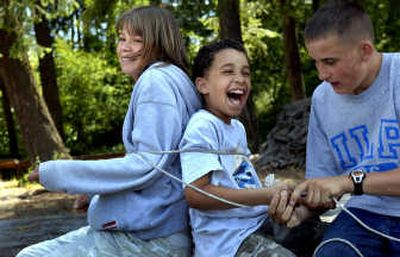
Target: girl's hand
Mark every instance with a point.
(34, 175)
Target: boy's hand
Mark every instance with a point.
(299, 214)
(288, 213)
(278, 188)
(319, 193)
(278, 206)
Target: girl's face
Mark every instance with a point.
(226, 86)
(130, 52)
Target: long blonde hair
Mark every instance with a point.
(162, 40)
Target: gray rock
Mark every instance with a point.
(285, 145)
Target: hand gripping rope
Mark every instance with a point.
(232, 152)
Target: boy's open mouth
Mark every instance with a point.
(236, 95)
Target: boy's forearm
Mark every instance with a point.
(249, 197)
(382, 183)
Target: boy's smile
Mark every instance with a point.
(236, 95)
(226, 85)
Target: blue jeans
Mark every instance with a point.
(367, 242)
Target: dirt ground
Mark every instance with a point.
(31, 214)
(20, 202)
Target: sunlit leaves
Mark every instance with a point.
(94, 95)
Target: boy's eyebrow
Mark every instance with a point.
(230, 65)
(324, 59)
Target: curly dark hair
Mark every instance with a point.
(205, 57)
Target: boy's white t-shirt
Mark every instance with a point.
(220, 232)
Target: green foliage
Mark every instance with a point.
(19, 17)
(197, 21)
(94, 97)
(385, 16)
(262, 35)
(255, 34)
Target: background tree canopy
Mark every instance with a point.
(62, 91)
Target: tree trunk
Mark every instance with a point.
(48, 74)
(292, 56)
(12, 135)
(229, 22)
(39, 133)
(229, 19)
(315, 5)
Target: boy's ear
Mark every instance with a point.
(367, 49)
(202, 85)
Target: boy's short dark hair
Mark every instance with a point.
(344, 18)
(205, 57)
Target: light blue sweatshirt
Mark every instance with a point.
(362, 131)
(131, 195)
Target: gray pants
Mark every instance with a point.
(86, 242)
(260, 245)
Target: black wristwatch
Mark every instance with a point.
(358, 176)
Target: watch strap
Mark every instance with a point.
(358, 176)
(358, 188)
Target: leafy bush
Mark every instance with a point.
(94, 97)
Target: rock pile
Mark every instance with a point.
(285, 145)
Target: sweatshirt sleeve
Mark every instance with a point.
(157, 126)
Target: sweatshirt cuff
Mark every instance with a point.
(48, 176)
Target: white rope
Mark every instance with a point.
(198, 150)
(218, 198)
(363, 224)
(344, 208)
(336, 239)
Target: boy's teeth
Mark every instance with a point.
(237, 91)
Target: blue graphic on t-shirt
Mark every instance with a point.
(244, 176)
(384, 148)
(379, 167)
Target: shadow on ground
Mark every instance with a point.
(31, 215)
(15, 234)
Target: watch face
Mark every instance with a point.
(357, 173)
(357, 176)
